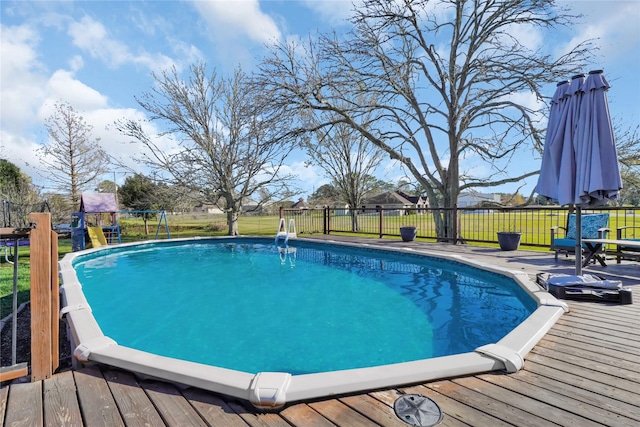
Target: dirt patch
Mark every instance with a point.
(23, 341)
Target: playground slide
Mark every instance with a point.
(97, 237)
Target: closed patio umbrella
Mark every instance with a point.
(580, 154)
(598, 175)
(550, 168)
(568, 164)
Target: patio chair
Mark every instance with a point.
(594, 226)
(627, 252)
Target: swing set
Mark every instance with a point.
(98, 219)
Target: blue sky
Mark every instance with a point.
(97, 55)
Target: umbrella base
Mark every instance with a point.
(585, 288)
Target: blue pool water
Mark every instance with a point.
(247, 305)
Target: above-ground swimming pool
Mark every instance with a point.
(273, 324)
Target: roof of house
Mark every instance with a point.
(413, 199)
(98, 202)
(389, 198)
(475, 195)
(300, 204)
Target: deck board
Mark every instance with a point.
(4, 394)
(61, 401)
(532, 399)
(340, 414)
(133, 402)
(554, 404)
(595, 353)
(171, 405)
(98, 405)
(492, 405)
(258, 420)
(585, 371)
(456, 413)
(535, 377)
(304, 415)
(24, 405)
(374, 409)
(213, 408)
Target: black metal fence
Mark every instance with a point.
(474, 224)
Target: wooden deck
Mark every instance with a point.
(584, 372)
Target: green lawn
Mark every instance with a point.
(6, 281)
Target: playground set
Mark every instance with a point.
(98, 219)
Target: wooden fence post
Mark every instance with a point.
(41, 310)
(55, 304)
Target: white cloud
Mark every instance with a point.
(76, 63)
(188, 53)
(238, 19)
(149, 24)
(613, 25)
(527, 35)
(63, 86)
(92, 37)
(529, 100)
(334, 12)
(237, 30)
(22, 83)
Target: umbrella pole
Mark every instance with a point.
(578, 241)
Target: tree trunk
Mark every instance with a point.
(446, 219)
(354, 221)
(451, 202)
(232, 222)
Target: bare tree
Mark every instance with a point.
(18, 195)
(445, 80)
(348, 158)
(628, 146)
(229, 146)
(74, 160)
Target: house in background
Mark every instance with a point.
(475, 198)
(208, 209)
(248, 206)
(300, 205)
(400, 202)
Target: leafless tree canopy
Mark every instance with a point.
(228, 147)
(445, 79)
(346, 156)
(73, 159)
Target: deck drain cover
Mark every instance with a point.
(417, 410)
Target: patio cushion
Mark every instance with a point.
(567, 243)
(590, 225)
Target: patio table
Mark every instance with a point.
(594, 248)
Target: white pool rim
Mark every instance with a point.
(271, 390)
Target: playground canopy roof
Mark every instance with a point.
(98, 203)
